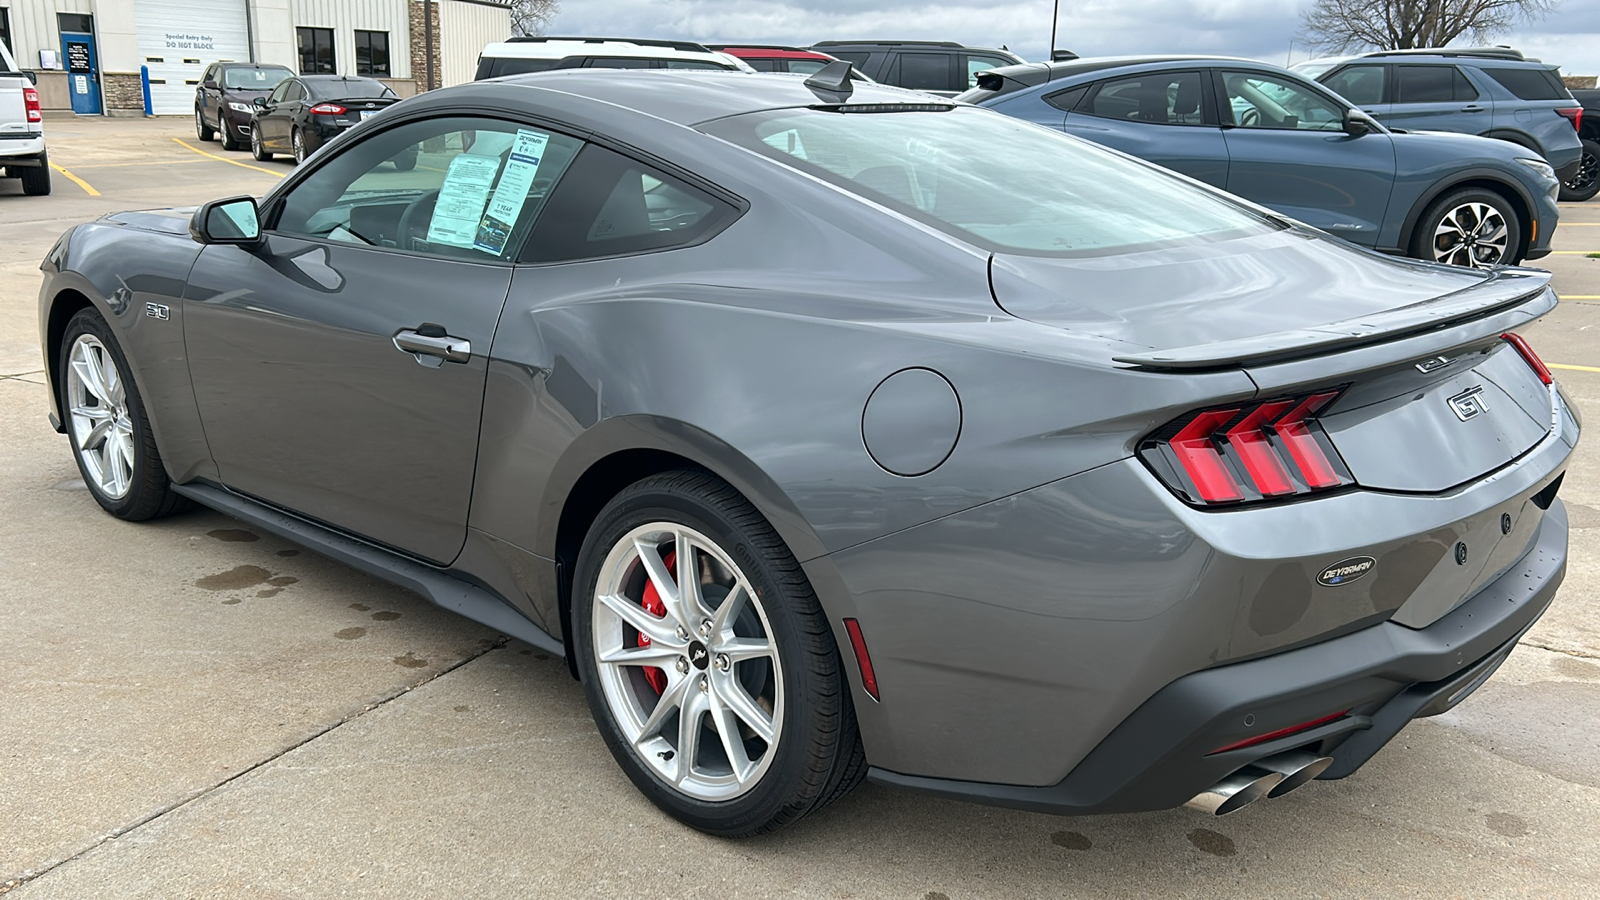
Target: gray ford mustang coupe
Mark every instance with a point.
(834, 432)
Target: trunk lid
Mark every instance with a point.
(1432, 397)
(358, 108)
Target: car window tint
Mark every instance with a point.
(1068, 100)
(349, 88)
(695, 64)
(520, 66)
(462, 187)
(1050, 194)
(763, 65)
(1361, 85)
(1256, 100)
(925, 71)
(1164, 98)
(1464, 89)
(982, 63)
(1530, 84)
(609, 205)
(1425, 84)
(621, 62)
(279, 92)
(806, 66)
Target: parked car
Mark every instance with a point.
(1281, 140)
(945, 68)
(836, 446)
(522, 55)
(304, 112)
(1494, 92)
(22, 150)
(780, 58)
(225, 100)
(1585, 182)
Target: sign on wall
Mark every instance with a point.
(178, 39)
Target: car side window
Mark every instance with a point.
(515, 66)
(1427, 84)
(1068, 100)
(1162, 98)
(462, 187)
(210, 75)
(925, 71)
(804, 66)
(611, 205)
(763, 65)
(977, 62)
(278, 92)
(1257, 100)
(1361, 85)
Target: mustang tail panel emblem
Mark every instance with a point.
(1469, 403)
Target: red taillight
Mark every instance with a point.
(1258, 451)
(1532, 358)
(1573, 114)
(30, 101)
(869, 680)
(327, 109)
(1282, 732)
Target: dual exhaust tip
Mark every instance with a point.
(1270, 777)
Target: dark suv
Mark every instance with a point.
(937, 67)
(1493, 91)
(1585, 183)
(224, 101)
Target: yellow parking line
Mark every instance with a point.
(1580, 296)
(1576, 252)
(158, 162)
(1574, 368)
(227, 160)
(1580, 224)
(87, 189)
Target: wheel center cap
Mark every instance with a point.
(699, 657)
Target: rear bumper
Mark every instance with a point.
(1384, 676)
(21, 149)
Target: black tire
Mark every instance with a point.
(1586, 182)
(202, 130)
(1423, 237)
(35, 179)
(149, 494)
(818, 755)
(262, 154)
(405, 162)
(229, 141)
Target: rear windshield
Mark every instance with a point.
(253, 79)
(1531, 84)
(350, 89)
(995, 181)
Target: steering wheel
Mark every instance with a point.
(1251, 116)
(417, 210)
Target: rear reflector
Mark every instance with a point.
(869, 679)
(1573, 114)
(1259, 451)
(1530, 357)
(1282, 732)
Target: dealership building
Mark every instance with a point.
(138, 57)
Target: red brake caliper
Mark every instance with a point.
(653, 605)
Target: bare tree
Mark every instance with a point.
(532, 17)
(1341, 25)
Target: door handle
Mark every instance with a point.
(1472, 108)
(430, 340)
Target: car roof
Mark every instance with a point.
(892, 44)
(562, 47)
(1031, 74)
(687, 97)
(769, 51)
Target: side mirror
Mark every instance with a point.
(259, 103)
(210, 85)
(1357, 123)
(33, 78)
(230, 221)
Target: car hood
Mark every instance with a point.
(1430, 147)
(173, 220)
(1258, 295)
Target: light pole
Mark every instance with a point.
(1055, 13)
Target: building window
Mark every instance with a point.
(372, 53)
(316, 51)
(75, 23)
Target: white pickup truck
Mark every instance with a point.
(22, 153)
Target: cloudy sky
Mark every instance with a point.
(1264, 29)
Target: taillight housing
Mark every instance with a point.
(1530, 357)
(1573, 114)
(327, 109)
(30, 102)
(1249, 452)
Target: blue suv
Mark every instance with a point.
(1494, 92)
(1285, 142)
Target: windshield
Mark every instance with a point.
(253, 79)
(993, 180)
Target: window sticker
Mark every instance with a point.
(462, 198)
(512, 193)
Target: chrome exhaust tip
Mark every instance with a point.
(1235, 792)
(1297, 767)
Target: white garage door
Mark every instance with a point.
(179, 38)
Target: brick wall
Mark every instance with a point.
(419, 56)
(124, 94)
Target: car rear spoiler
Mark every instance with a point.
(1502, 290)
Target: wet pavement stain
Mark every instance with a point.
(1547, 725)
(288, 552)
(385, 616)
(1581, 516)
(233, 535)
(463, 709)
(1506, 824)
(232, 602)
(524, 652)
(234, 579)
(410, 662)
(541, 656)
(1573, 667)
(936, 895)
(1071, 840)
(360, 607)
(1208, 841)
(269, 592)
(282, 580)
(349, 634)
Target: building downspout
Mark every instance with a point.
(249, 31)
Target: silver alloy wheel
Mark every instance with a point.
(1473, 234)
(255, 142)
(97, 405)
(299, 147)
(199, 125)
(713, 728)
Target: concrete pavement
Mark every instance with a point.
(191, 709)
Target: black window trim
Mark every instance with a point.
(1209, 116)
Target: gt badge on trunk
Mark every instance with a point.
(1346, 570)
(1469, 403)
